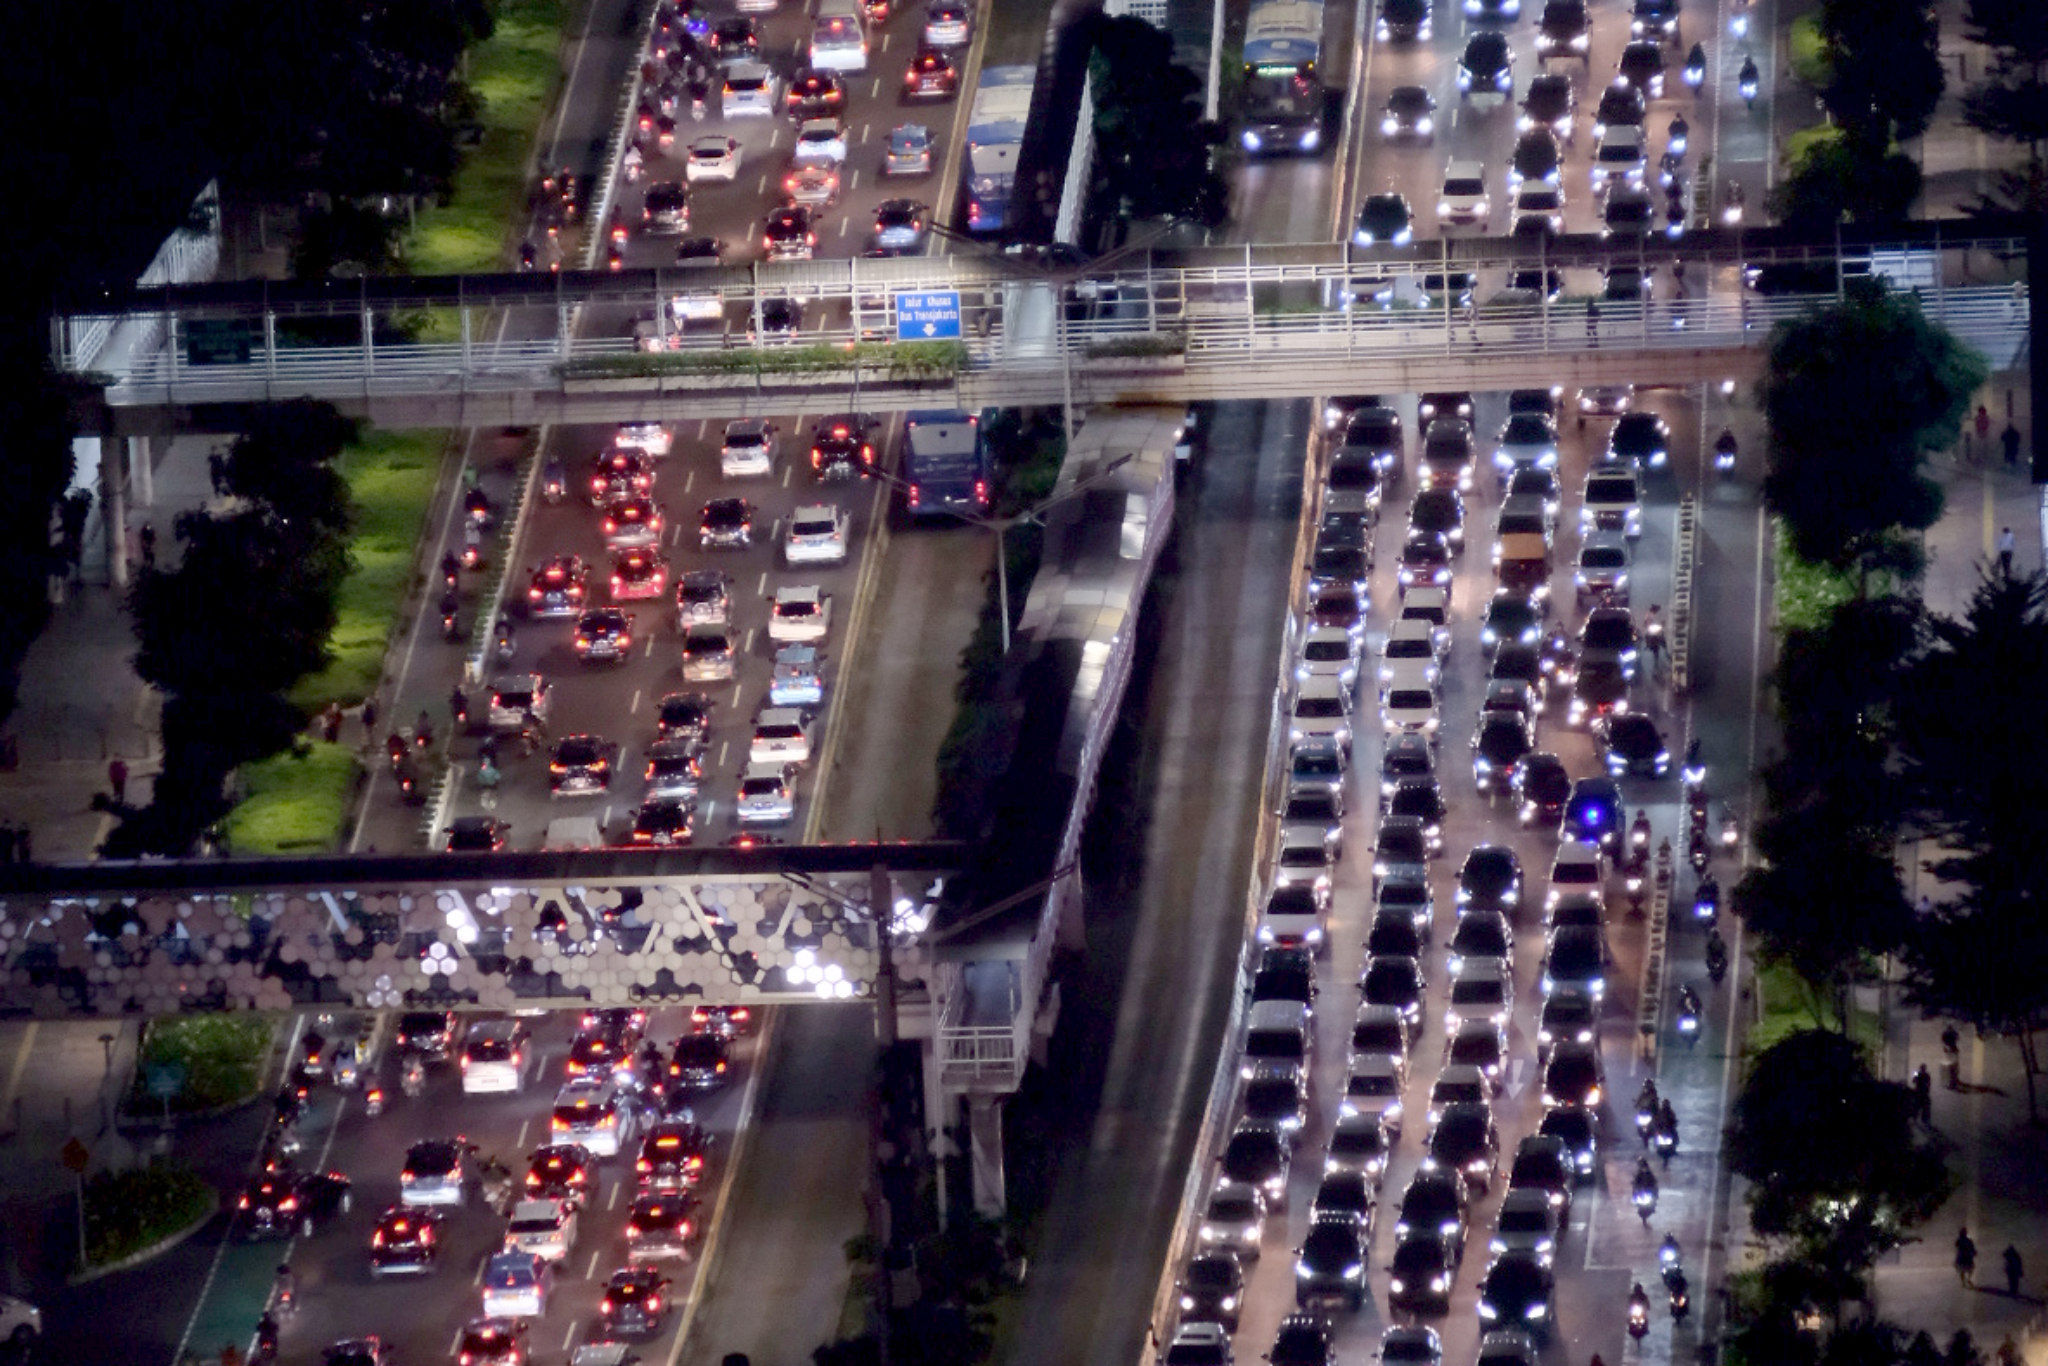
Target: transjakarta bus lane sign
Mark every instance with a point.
(928, 315)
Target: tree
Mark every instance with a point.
(1856, 393)
(1973, 755)
(1833, 1156)
(1154, 152)
(2018, 28)
(1885, 76)
(1839, 178)
(1822, 899)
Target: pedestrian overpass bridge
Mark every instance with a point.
(1145, 326)
(468, 931)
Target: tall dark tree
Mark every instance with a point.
(1833, 1156)
(1885, 76)
(2017, 28)
(1856, 394)
(1846, 179)
(1154, 152)
(1973, 754)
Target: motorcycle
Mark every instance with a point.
(476, 509)
(1646, 1111)
(414, 1080)
(1747, 81)
(451, 618)
(1645, 1190)
(1731, 833)
(1696, 68)
(1731, 207)
(373, 1102)
(1724, 451)
(502, 647)
(554, 482)
(1667, 1132)
(1738, 19)
(1668, 1257)
(1698, 852)
(529, 256)
(1717, 957)
(472, 555)
(1639, 836)
(1670, 171)
(495, 1180)
(1688, 1025)
(1676, 135)
(1694, 776)
(451, 570)
(1638, 1313)
(409, 790)
(1706, 900)
(1681, 1299)
(458, 705)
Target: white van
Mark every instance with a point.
(839, 36)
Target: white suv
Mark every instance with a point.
(817, 535)
(749, 449)
(1464, 198)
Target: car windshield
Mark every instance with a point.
(1603, 557)
(1475, 991)
(1319, 708)
(1411, 699)
(821, 526)
(1465, 185)
(1611, 490)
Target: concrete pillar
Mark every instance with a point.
(114, 503)
(985, 1134)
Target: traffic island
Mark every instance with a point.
(193, 1066)
(127, 1218)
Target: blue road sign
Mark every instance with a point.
(928, 315)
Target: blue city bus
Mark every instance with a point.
(995, 134)
(1283, 84)
(945, 464)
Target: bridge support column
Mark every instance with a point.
(114, 502)
(985, 1138)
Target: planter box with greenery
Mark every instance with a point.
(223, 1057)
(128, 1212)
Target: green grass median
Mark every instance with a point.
(294, 803)
(220, 1060)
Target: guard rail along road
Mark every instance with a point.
(1252, 322)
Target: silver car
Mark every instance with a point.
(817, 535)
(1234, 1218)
(797, 680)
(765, 796)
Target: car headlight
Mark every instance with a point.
(1497, 1246)
(1389, 126)
(1535, 1311)
(1443, 208)
(1438, 1283)
(1229, 1303)
(1187, 1301)
(1487, 1311)
(1425, 124)
(1404, 237)
(1312, 139)
(1464, 79)
(1251, 141)
(1481, 764)
(1397, 1285)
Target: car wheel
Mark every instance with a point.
(22, 1335)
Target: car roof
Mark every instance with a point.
(816, 512)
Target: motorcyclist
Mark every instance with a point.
(1676, 133)
(458, 705)
(451, 608)
(1638, 1308)
(1717, 955)
(1639, 833)
(1696, 66)
(1706, 901)
(1645, 1182)
(284, 1289)
(1695, 771)
(1725, 444)
(451, 569)
(529, 256)
(1668, 1253)
(1748, 78)
(1667, 1118)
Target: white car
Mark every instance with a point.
(800, 612)
(1481, 989)
(20, 1321)
(1321, 711)
(817, 535)
(713, 158)
(766, 797)
(1413, 645)
(1579, 869)
(494, 1057)
(1410, 702)
(782, 735)
(750, 89)
(748, 450)
(546, 1228)
(820, 142)
(651, 437)
(589, 1111)
(1329, 651)
(1464, 199)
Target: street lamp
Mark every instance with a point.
(1001, 526)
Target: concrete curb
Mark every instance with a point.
(144, 1254)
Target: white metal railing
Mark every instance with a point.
(1987, 316)
(983, 1057)
(187, 256)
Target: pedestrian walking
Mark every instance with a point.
(1923, 1094)
(1982, 423)
(1952, 1058)
(1593, 322)
(330, 723)
(369, 719)
(2007, 545)
(2011, 439)
(1472, 319)
(148, 545)
(487, 777)
(1653, 633)
(1966, 1259)
(2013, 1269)
(117, 778)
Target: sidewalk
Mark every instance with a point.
(82, 704)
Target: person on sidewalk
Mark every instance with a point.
(117, 779)
(1951, 1058)
(2011, 439)
(1923, 1094)
(1966, 1259)
(1593, 322)
(2008, 545)
(330, 723)
(1653, 634)
(2014, 1270)
(148, 545)
(1982, 423)
(369, 719)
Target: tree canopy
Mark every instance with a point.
(1154, 152)
(1856, 394)
(1885, 76)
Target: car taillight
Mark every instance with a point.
(981, 490)
(243, 1203)
(654, 1304)
(642, 1165)
(607, 1305)
(533, 593)
(915, 495)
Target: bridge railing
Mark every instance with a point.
(1163, 333)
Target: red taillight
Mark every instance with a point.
(654, 1304)
(533, 593)
(244, 1203)
(915, 495)
(741, 1013)
(981, 490)
(607, 1306)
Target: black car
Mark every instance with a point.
(1567, 1017)
(1425, 1263)
(1405, 756)
(1599, 686)
(1576, 960)
(1579, 1131)
(840, 448)
(664, 821)
(1406, 889)
(1340, 564)
(476, 835)
(1422, 799)
(1464, 1141)
(634, 1302)
(735, 39)
(1425, 560)
(282, 1202)
(603, 635)
(666, 207)
(1374, 435)
(726, 524)
(931, 75)
(558, 587)
(1384, 218)
(1595, 813)
(1490, 879)
(1518, 662)
(1643, 439)
(1544, 1162)
(1572, 1076)
(1394, 980)
(1359, 474)
(1487, 66)
(406, 1242)
(787, 234)
(1642, 66)
(1301, 1340)
(1358, 1143)
(1394, 931)
(1401, 839)
(1510, 618)
(1285, 974)
(683, 716)
(1410, 113)
(582, 765)
(1404, 21)
(1516, 1293)
(1499, 744)
(701, 1061)
(560, 1171)
(1435, 1202)
(1211, 1288)
(1634, 746)
(815, 94)
(1440, 510)
(1331, 1261)
(1620, 105)
(1542, 785)
(1536, 159)
(1346, 1191)
(1564, 30)
(1480, 934)
(1274, 1094)
(428, 1033)
(1550, 103)
(672, 1156)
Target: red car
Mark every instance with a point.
(638, 573)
